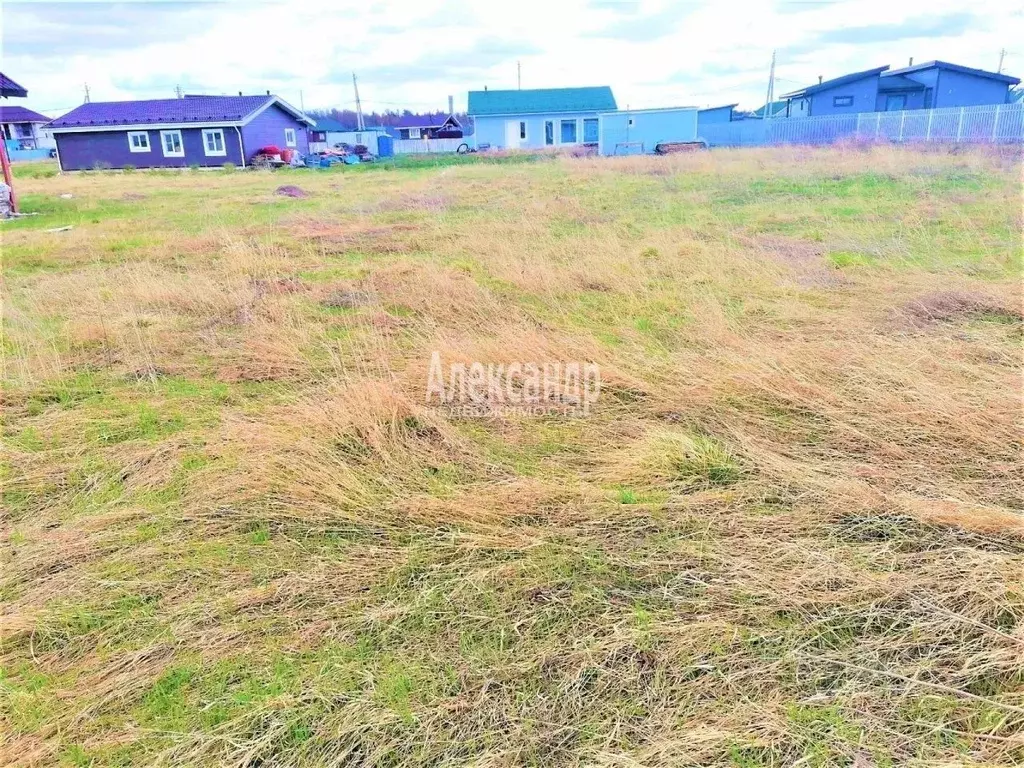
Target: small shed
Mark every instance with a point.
(710, 115)
(367, 137)
(639, 131)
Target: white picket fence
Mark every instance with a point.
(994, 123)
(425, 146)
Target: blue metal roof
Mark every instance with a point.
(538, 100)
(198, 109)
(828, 84)
(955, 68)
(723, 106)
(10, 88)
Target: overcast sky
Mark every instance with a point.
(413, 54)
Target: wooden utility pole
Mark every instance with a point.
(1002, 55)
(359, 106)
(771, 90)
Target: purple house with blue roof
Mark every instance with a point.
(177, 133)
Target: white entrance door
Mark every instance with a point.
(512, 134)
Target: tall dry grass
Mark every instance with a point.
(788, 533)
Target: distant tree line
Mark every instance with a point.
(347, 117)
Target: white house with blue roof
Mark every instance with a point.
(541, 118)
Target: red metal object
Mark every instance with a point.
(8, 178)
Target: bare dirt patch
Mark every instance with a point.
(788, 250)
(340, 237)
(415, 201)
(952, 306)
(290, 190)
(347, 297)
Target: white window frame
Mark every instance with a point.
(131, 144)
(553, 137)
(569, 120)
(163, 144)
(290, 142)
(414, 133)
(524, 134)
(223, 143)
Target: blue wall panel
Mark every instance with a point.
(863, 94)
(959, 89)
(648, 129)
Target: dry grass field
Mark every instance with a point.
(789, 532)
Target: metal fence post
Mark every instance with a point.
(878, 125)
(928, 133)
(995, 122)
(903, 119)
(960, 125)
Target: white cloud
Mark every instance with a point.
(414, 54)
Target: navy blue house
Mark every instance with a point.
(938, 84)
(177, 133)
(932, 85)
(856, 92)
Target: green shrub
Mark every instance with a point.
(129, 169)
(228, 167)
(193, 166)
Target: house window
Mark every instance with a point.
(213, 142)
(171, 142)
(289, 137)
(842, 101)
(549, 132)
(568, 132)
(359, 138)
(629, 122)
(522, 130)
(591, 130)
(138, 141)
(414, 133)
(929, 95)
